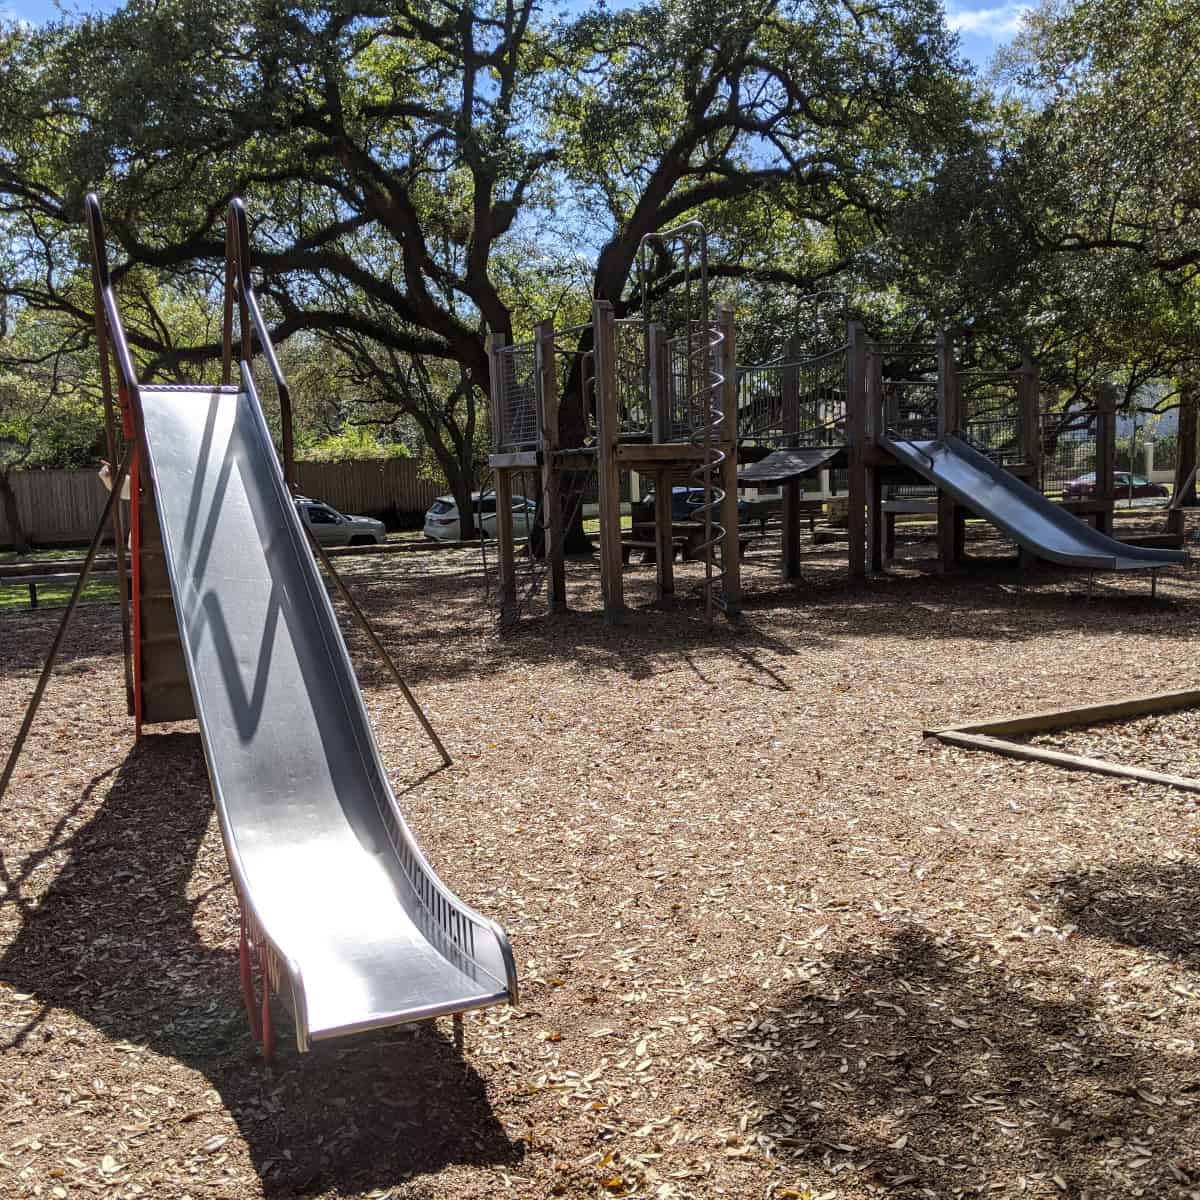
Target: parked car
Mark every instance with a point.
(442, 523)
(687, 504)
(332, 528)
(1126, 486)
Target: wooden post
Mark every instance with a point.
(790, 415)
(1184, 492)
(552, 514)
(731, 554)
(876, 534)
(790, 392)
(881, 412)
(858, 424)
(1030, 400)
(791, 530)
(1106, 455)
(874, 423)
(508, 558)
(496, 343)
(663, 529)
(660, 394)
(1031, 414)
(947, 423)
(607, 467)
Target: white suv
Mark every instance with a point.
(441, 521)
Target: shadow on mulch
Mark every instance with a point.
(95, 633)
(456, 632)
(915, 1065)
(1142, 902)
(114, 941)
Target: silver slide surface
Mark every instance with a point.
(1022, 512)
(362, 932)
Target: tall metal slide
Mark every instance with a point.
(1022, 512)
(356, 930)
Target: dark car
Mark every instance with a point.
(1126, 486)
(687, 504)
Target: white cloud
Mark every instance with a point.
(994, 24)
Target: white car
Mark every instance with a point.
(441, 521)
(331, 528)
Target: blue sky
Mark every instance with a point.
(982, 26)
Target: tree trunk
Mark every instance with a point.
(1185, 462)
(460, 489)
(460, 480)
(457, 465)
(12, 518)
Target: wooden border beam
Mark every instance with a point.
(1072, 762)
(1087, 714)
(986, 735)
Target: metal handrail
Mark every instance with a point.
(237, 271)
(894, 435)
(116, 331)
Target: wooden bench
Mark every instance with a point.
(49, 579)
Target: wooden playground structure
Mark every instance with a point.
(670, 403)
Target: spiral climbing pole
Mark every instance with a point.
(673, 282)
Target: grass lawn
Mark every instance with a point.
(15, 597)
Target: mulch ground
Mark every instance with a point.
(1166, 742)
(771, 943)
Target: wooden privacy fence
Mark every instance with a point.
(54, 506)
(387, 488)
(59, 507)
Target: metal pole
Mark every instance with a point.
(361, 618)
(110, 437)
(35, 701)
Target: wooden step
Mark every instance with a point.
(162, 662)
(153, 573)
(166, 693)
(167, 701)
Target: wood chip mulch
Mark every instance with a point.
(1166, 742)
(772, 944)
